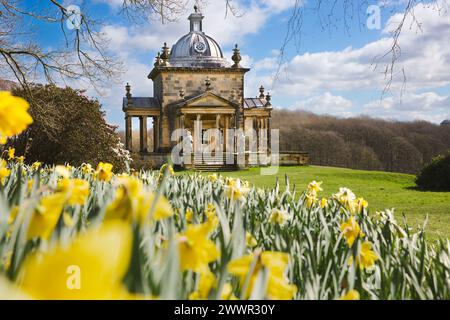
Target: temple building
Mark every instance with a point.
(194, 81)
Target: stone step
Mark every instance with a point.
(214, 168)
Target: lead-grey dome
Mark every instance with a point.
(196, 49)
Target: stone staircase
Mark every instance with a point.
(208, 163)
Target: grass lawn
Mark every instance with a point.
(383, 190)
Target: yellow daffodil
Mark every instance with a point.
(235, 189)
(36, 165)
(345, 196)
(367, 257)
(11, 153)
(20, 159)
(4, 171)
(132, 201)
(165, 168)
(279, 216)
(75, 190)
(351, 230)
(213, 177)
(361, 204)
(45, 216)
(278, 287)
(211, 216)
(324, 203)
(62, 171)
(86, 168)
(311, 199)
(314, 188)
(168, 167)
(189, 215)
(92, 267)
(227, 293)
(162, 207)
(104, 171)
(350, 295)
(30, 184)
(250, 240)
(206, 283)
(14, 116)
(196, 250)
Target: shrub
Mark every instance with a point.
(436, 175)
(68, 127)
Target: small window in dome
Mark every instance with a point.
(197, 26)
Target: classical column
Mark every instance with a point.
(269, 137)
(218, 121)
(198, 136)
(143, 133)
(128, 133)
(182, 118)
(155, 134)
(158, 132)
(256, 124)
(225, 133)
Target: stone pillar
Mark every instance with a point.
(155, 134)
(225, 133)
(165, 132)
(128, 133)
(198, 136)
(256, 128)
(269, 137)
(143, 133)
(182, 121)
(218, 121)
(158, 125)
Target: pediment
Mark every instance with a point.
(208, 99)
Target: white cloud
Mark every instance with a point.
(327, 103)
(411, 106)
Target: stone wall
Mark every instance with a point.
(156, 160)
(228, 84)
(294, 158)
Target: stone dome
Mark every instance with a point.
(196, 49)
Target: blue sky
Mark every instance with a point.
(331, 72)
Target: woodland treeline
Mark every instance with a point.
(357, 143)
(362, 142)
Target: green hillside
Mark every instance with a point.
(382, 190)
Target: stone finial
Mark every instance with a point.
(182, 94)
(261, 92)
(196, 9)
(236, 57)
(268, 99)
(158, 60)
(208, 84)
(128, 90)
(165, 55)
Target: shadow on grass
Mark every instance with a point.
(420, 189)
